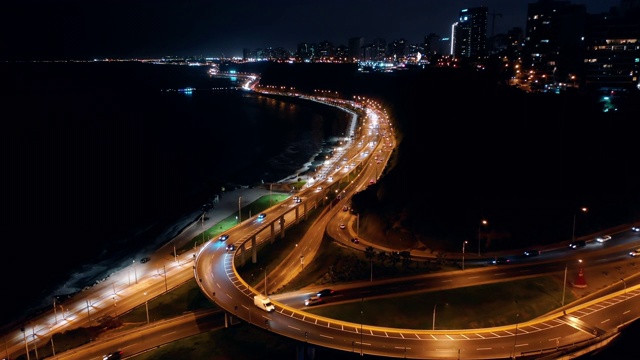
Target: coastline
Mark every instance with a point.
(157, 235)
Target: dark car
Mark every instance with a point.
(532, 253)
(355, 240)
(578, 244)
(223, 237)
(145, 259)
(116, 355)
(231, 247)
(325, 292)
(262, 216)
(500, 260)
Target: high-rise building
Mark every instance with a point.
(398, 49)
(325, 50)
(355, 48)
(612, 57)
(470, 34)
(554, 38)
(305, 52)
(248, 55)
(431, 46)
(379, 51)
(341, 53)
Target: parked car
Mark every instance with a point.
(223, 237)
(325, 292)
(314, 300)
(532, 253)
(603, 238)
(578, 244)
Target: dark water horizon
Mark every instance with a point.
(104, 157)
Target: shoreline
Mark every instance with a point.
(161, 234)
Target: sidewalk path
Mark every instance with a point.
(226, 206)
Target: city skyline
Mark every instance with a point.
(71, 29)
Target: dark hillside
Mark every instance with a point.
(471, 149)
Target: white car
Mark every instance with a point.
(314, 300)
(603, 238)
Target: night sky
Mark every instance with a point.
(87, 29)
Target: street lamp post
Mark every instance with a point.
(515, 338)
(166, 287)
(146, 305)
(483, 222)
(361, 320)
(26, 344)
(434, 316)
(88, 312)
(55, 312)
(564, 286)
(463, 246)
(202, 223)
(239, 209)
(573, 233)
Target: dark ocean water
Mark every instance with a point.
(100, 157)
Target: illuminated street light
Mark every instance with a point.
(239, 209)
(573, 233)
(483, 222)
(463, 246)
(135, 271)
(146, 305)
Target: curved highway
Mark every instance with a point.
(584, 324)
(354, 168)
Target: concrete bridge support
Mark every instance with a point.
(281, 227)
(254, 250)
(272, 236)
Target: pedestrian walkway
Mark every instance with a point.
(227, 204)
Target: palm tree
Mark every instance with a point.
(395, 258)
(369, 252)
(406, 258)
(382, 257)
